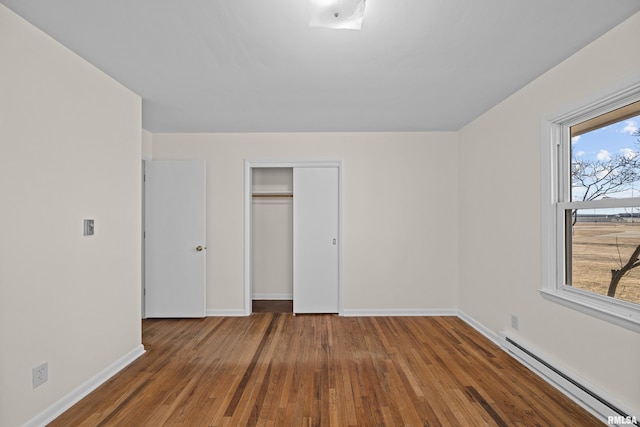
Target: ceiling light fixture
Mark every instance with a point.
(336, 14)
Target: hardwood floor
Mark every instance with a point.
(274, 369)
(272, 306)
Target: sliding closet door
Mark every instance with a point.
(315, 240)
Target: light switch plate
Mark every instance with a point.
(88, 227)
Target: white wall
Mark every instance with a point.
(147, 145)
(69, 149)
(272, 246)
(499, 227)
(399, 218)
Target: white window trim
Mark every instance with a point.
(555, 151)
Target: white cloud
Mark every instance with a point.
(630, 128)
(575, 139)
(628, 153)
(604, 155)
(601, 173)
(579, 153)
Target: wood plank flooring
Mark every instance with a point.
(272, 306)
(275, 369)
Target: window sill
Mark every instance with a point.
(596, 306)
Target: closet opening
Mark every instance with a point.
(272, 239)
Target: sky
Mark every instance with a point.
(606, 143)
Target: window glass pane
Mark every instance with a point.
(602, 252)
(605, 162)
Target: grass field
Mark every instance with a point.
(599, 247)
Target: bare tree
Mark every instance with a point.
(600, 178)
(617, 275)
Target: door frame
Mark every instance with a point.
(143, 278)
(249, 164)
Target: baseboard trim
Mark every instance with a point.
(488, 333)
(381, 312)
(588, 396)
(55, 410)
(575, 393)
(273, 297)
(222, 312)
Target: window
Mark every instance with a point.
(591, 214)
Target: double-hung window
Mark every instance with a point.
(591, 208)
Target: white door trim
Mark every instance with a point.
(249, 164)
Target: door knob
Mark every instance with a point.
(199, 248)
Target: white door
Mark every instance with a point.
(175, 246)
(315, 240)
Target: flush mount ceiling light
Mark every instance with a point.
(336, 14)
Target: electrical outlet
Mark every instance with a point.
(514, 322)
(40, 374)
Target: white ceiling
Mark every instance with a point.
(256, 66)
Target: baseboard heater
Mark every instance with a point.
(609, 412)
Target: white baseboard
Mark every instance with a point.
(488, 333)
(223, 312)
(273, 297)
(568, 383)
(594, 400)
(55, 410)
(380, 312)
